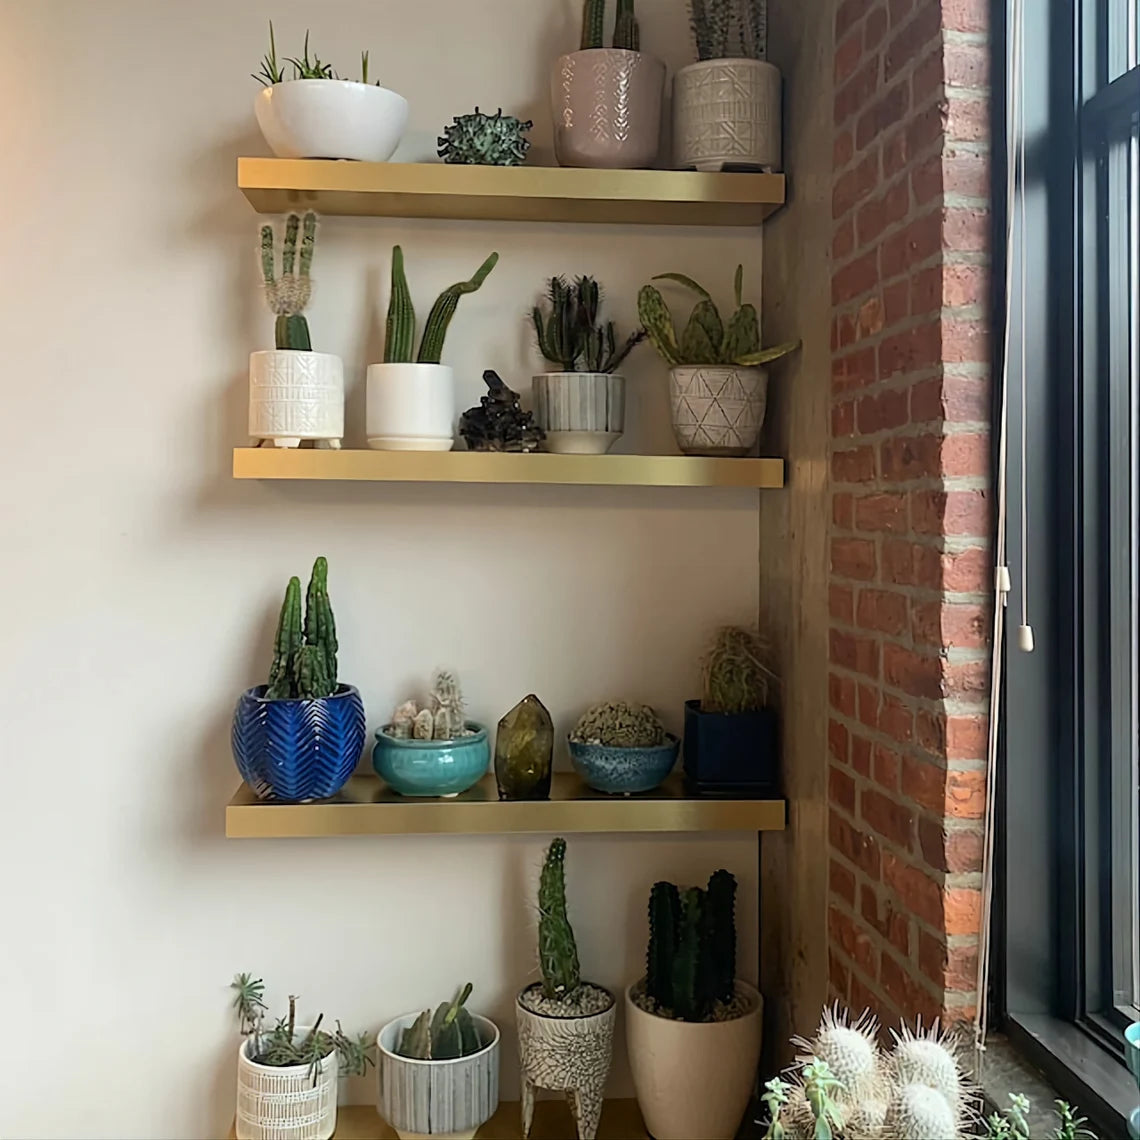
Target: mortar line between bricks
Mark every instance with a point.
(935, 757)
(899, 797)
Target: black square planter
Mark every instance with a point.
(732, 754)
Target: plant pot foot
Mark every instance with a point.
(328, 444)
(586, 1108)
(287, 441)
(527, 1106)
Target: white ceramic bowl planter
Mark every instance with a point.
(282, 1103)
(295, 395)
(331, 118)
(694, 1078)
(411, 407)
(582, 413)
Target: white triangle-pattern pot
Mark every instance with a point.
(718, 409)
(295, 395)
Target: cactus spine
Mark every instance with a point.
(431, 347)
(288, 294)
(304, 654)
(557, 951)
(627, 32)
(664, 930)
(400, 330)
(593, 20)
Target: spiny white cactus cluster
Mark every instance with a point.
(443, 718)
(845, 1082)
(289, 294)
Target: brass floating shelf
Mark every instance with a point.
(367, 806)
(509, 193)
(501, 467)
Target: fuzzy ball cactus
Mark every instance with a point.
(557, 950)
(851, 1052)
(917, 1112)
(287, 294)
(619, 724)
(736, 675)
(927, 1058)
(485, 140)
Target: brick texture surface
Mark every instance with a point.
(909, 604)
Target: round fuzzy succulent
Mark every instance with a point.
(851, 1052)
(864, 1120)
(618, 724)
(928, 1058)
(917, 1112)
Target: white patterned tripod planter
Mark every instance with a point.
(282, 1102)
(295, 395)
(718, 409)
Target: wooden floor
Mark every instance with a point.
(620, 1121)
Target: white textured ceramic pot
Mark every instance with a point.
(718, 409)
(693, 1078)
(607, 108)
(331, 118)
(437, 1098)
(411, 407)
(566, 1054)
(283, 1103)
(726, 113)
(582, 413)
(296, 395)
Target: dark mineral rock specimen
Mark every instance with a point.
(499, 423)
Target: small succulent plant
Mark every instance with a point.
(736, 675)
(304, 654)
(442, 718)
(485, 140)
(443, 1036)
(272, 72)
(287, 294)
(619, 724)
(571, 336)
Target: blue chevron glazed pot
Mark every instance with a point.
(298, 749)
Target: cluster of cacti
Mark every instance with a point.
(442, 718)
(304, 655)
(729, 28)
(627, 33)
(400, 330)
(619, 724)
(706, 339)
(736, 675)
(289, 293)
(571, 335)
(557, 950)
(690, 965)
(272, 72)
(448, 1033)
(485, 140)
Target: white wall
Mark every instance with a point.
(141, 582)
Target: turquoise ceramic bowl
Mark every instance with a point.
(1132, 1048)
(432, 767)
(624, 771)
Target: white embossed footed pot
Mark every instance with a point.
(726, 114)
(437, 1098)
(410, 407)
(582, 413)
(295, 395)
(693, 1078)
(718, 409)
(282, 1103)
(607, 108)
(331, 118)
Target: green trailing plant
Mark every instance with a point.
(820, 1086)
(288, 293)
(400, 329)
(304, 653)
(691, 960)
(736, 676)
(442, 718)
(706, 338)
(557, 950)
(281, 1046)
(729, 28)
(272, 72)
(571, 335)
(619, 724)
(485, 140)
(443, 1036)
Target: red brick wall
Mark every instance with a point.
(910, 505)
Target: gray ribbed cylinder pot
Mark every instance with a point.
(581, 412)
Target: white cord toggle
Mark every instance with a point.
(1002, 582)
(1025, 638)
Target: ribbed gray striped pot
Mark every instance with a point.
(582, 413)
(445, 1099)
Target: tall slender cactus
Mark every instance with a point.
(439, 319)
(400, 331)
(557, 951)
(593, 21)
(627, 31)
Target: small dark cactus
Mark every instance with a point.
(304, 656)
(664, 932)
(557, 951)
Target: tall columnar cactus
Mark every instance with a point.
(593, 20)
(687, 958)
(400, 330)
(664, 931)
(289, 293)
(557, 951)
(719, 942)
(627, 32)
(439, 319)
(304, 654)
(288, 641)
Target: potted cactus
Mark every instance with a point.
(411, 399)
(732, 733)
(439, 1073)
(294, 393)
(432, 750)
(607, 101)
(313, 113)
(581, 406)
(692, 1027)
(622, 748)
(566, 1025)
(726, 107)
(717, 387)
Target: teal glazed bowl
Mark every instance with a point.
(1132, 1049)
(432, 767)
(624, 771)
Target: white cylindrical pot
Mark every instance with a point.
(718, 409)
(295, 395)
(726, 113)
(411, 407)
(582, 413)
(283, 1103)
(694, 1078)
(331, 118)
(437, 1098)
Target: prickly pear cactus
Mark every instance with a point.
(557, 951)
(485, 140)
(618, 724)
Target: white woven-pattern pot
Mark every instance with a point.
(283, 1103)
(296, 395)
(726, 112)
(718, 409)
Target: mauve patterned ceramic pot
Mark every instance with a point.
(607, 108)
